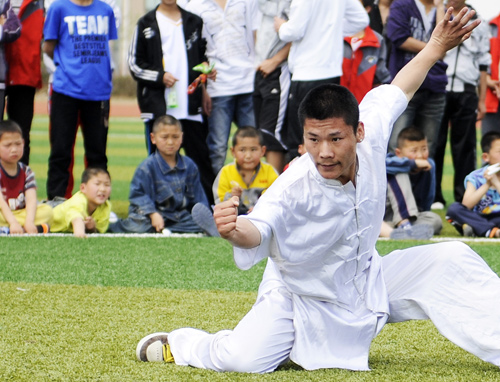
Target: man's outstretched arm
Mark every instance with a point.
(447, 34)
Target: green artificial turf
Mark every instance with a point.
(175, 263)
(74, 310)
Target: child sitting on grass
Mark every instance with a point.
(410, 186)
(247, 177)
(19, 211)
(88, 210)
(166, 192)
(479, 212)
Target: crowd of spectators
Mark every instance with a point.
(260, 58)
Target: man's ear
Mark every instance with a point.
(263, 152)
(360, 132)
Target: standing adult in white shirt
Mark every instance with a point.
(316, 29)
(229, 27)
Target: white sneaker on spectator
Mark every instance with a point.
(437, 206)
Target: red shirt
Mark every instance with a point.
(14, 187)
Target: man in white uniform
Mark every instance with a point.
(326, 293)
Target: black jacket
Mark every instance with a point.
(146, 63)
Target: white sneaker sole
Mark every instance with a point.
(150, 348)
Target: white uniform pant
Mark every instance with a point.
(446, 282)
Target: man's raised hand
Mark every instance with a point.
(451, 32)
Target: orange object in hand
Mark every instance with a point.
(202, 78)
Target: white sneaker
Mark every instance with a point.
(113, 218)
(150, 348)
(437, 206)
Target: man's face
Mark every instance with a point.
(332, 146)
(414, 150)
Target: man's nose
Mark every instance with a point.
(325, 150)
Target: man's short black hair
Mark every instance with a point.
(488, 139)
(330, 101)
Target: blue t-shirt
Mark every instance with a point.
(490, 202)
(82, 55)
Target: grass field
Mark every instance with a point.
(74, 310)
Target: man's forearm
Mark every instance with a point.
(246, 234)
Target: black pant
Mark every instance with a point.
(294, 132)
(94, 117)
(194, 142)
(460, 116)
(20, 109)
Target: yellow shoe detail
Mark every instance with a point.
(167, 354)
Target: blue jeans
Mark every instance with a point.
(136, 223)
(480, 223)
(425, 112)
(225, 110)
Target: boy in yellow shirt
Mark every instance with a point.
(247, 177)
(88, 210)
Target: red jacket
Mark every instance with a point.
(492, 99)
(361, 67)
(24, 55)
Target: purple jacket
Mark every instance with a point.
(405, 21)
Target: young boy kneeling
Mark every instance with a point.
(479, 212)
(88, 210)
(19, 211)
(166, 188)
(247, 177)
(410, 187)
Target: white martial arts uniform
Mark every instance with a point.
(326, 293)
